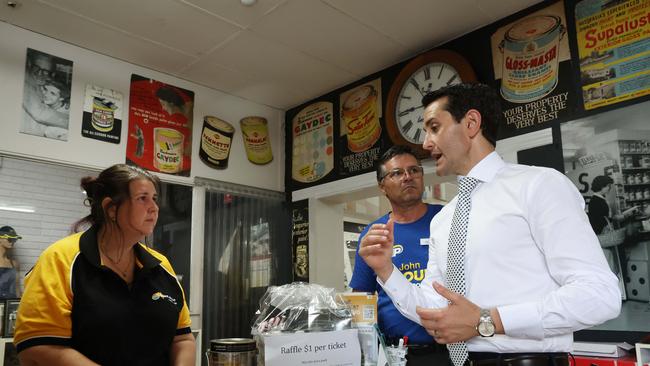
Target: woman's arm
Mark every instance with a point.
(183, 352)
(53, 356)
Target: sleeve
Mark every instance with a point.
(598, 211)
(44, 314)
(588, 292)
(406, 296)
(184, 322)
(363, 277)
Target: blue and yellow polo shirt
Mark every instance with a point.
(72, 300)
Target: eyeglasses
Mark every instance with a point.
(396, 174)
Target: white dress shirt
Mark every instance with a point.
(530, 253)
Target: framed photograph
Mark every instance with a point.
(11, 311)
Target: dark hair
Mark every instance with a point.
(168, 94)
(391, 153)
(601, 182)
(463, 97)
(112, 182)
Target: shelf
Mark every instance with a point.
(636, 185)
(635, 153)
(641, 200)
(635, 169)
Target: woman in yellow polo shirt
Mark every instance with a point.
(101, 296)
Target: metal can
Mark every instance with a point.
(216, 139)
(168, 150)
(102, 116)
(530, 58)
(255, 132)
(361, 118)
(232, 352)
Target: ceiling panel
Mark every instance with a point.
(270, 61)
(330, 35)
(79, 31)
(279, 53)
(234, 11)
(168, 22)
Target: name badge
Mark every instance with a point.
(424, 241)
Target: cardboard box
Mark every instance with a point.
(364, 307)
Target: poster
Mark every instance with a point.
(102, 114)
(313, 142)
(608, 159)
(160, 126)
(613, 40)
(361, 130)
(531, 61)
(46, 95)
(300, 240)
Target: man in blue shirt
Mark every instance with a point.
(399, 176)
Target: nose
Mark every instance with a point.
(428, 144)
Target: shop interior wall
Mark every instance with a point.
(97, 69)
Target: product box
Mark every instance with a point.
(364, 318)
(364, 307)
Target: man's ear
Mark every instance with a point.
(109, 209)
(473, 122)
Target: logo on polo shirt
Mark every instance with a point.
(159, 295)
(397, 249)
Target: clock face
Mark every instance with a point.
(428, 72)
(408, 106)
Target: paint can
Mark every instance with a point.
(102, 115)
(255, 133)
(168, 150)
(361, 118)
(531, 50)
(232, 352)
(216, 140)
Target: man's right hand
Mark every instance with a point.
(376, 249)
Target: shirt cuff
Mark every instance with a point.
(522, 321)
(395, 286)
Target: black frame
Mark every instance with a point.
(10, 304)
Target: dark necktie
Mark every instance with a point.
(456, 256)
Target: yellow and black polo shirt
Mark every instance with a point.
(72, 300)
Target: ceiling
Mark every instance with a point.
(279, 53)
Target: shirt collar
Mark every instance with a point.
(487, 168)
(89, 247)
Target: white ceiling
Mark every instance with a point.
(279, 53)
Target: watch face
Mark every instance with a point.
(486, 329)
(408, 111)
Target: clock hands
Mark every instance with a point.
(408, 110)
(416, 86)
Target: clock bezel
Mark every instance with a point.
(451, 58)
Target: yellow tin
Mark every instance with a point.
(255, 133)
(361, 118)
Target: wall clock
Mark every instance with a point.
(425, 73)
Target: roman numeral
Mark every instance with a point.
(427, 73)
(452, 79)
(407, 126)
(440, 73)
(417, 135)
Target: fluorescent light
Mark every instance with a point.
(17, 209)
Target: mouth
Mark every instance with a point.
(436, 155)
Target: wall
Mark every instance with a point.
(93, 68)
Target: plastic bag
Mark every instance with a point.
(301, 307)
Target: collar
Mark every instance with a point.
(487, 168)
(599, 195)
(89, 247)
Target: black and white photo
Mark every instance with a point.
(46, 95)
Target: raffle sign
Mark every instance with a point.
(614, 48)
(160, 126)
(337, 348)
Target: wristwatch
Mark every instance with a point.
(485, 326)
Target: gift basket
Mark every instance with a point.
(298, 307)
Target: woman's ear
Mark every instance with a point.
(109, 209)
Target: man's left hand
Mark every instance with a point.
(455, 323)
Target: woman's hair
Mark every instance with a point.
(170, 95)
(601, 182)
(113, 183)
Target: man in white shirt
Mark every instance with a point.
(534, 271)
